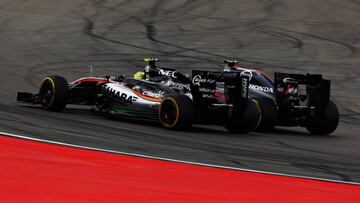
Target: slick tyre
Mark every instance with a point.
(268, 117)
(53, 93)
(176, 112)
(327, 123)
(246, 122)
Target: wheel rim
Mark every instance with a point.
(168, 113)
(46, 93)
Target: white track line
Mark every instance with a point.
(174, 160)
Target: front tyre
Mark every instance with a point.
(327, 123)
(176, 112)
(53, 93)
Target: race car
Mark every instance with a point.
(157, 94)
(290, 100)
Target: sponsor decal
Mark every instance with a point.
(261, 88)
(197, 80)
(153, 94)
(229, 76)
(206, 90)
(291, 90)
(169, 73)
(177, 85)
(208, 96)
(247, 73)
(244, 88)
(123, 98)
(225, 75)
(290, 80)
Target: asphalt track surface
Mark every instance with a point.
(42, 37)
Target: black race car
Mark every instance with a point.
(290, 100)
(159, 94)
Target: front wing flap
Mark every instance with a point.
(27, 97)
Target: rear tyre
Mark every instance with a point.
(268, 114)
(53, 93)
(246, 122)
(327, 123)
(176, 112)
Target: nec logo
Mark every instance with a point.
(169, 73)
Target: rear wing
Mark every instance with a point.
(311, 88)
(205, 83)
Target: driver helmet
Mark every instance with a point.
(230, 64)
(139, 75)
